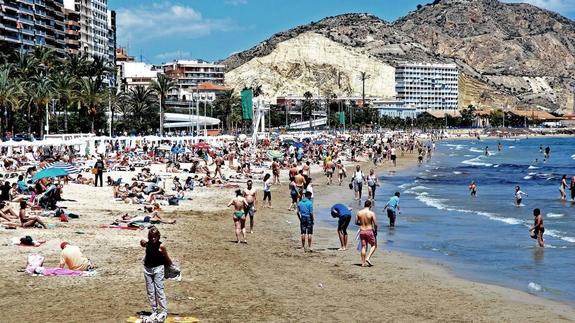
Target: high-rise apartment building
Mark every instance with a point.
(111, 19)
(25, 24)
(94, 26)
(428, 87)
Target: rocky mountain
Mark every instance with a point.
(508, 54)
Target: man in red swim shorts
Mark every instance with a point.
(367, 222)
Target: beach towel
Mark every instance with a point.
(169, 319)
(109, 226)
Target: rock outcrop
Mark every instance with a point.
(508, 54)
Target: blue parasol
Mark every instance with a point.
(50, 172)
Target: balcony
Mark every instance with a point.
(72, 23)
(72, 32)
(25, 20)
(27, 31)
(26, 10)
(39, 3)
(40, 13)
(40, 33)
(72, 42)
(10, 38)
(30, 2)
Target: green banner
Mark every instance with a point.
(341, 117)
(247, 105)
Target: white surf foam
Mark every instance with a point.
(475, 150)
(476, 162)
(528, 177)
(430, 201)
(532, 167)
(457, 173)
(534, 287)
(555, 215)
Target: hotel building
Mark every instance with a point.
(190, 74)
(428, 87)
(25, 24)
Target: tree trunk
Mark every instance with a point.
(66, 117)
(29, 119)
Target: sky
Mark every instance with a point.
(157, 31)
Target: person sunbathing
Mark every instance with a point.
(29, 221)
(154, 218)
(84, 181)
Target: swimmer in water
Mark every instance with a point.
(563, 187)
(499, 146)
(519, 196)
(547, 152)
(486, 150)
(473, 189)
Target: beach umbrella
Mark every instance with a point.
(289, 141)
(319, 142)
(298, 144)
(274, 154)
(71, 169)
(50, 172)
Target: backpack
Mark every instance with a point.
(173, 201)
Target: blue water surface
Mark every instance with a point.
(486, 238)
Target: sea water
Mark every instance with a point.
(486, 238)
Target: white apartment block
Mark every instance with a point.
(189, 74)
(428, 87)
(133, 74)
(94, 30)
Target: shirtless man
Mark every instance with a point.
(328, 168)
(538, 228)
(219, 161)
(340, 171)
(293, 171)
(299, 180)
(306, 168)
(276, 171)
(251, 199)
(367, 222)
(239, 203)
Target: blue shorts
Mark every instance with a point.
(306, 225)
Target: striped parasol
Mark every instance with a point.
(71, 169)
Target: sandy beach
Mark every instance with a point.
(268, 280)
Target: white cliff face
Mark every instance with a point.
(312, 62)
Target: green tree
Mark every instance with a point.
(65, 86)
(143, 107)
(162, 87)
(228, 107)
(10, 91)
(308, 107)
(468, 116)
(90, 96)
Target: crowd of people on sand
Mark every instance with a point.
(237, 165)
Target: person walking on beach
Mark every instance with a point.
(473, 189)
(340, 171)
(239, 203)
(328, 169)
(367, 222)
(392, 208)
(538, 229)
(99, 171)
(393, 156)
(293, 194)
(358, 179)
(306, 219)
(156, 258)
(343, 214)
(563, 187)
(250, 194)
(267, 190)
(372, 184)
(276, 171)
(519, 195)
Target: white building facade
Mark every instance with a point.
(428, 87)
(133, 74)
(94, 26)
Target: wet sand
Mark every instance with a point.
(270, 279)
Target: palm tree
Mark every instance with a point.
(117, 100)
(163, 86)
(228, 107)
(143, 103)
(308, 107)
(363, 76)
(64, 87)
(25, 65)
(90, 96)
(39, 91)
(98, 69)
(10, 91)
(76, 65)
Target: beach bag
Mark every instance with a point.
(27, 241)
(532, 234)
(351, 186)
(173, 201)
(94, 171)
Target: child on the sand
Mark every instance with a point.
(155, 260)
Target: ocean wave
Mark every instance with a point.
(430, 201)
(476, 162)
(532, 167)
(457, 173)
(496, 165)
(555, 215)
(511, 147)
(558, 234)
(528, 177)
(475, 150)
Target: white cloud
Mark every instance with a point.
(153, 21)
(178, 54)
(236, 2)
(561, 6)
